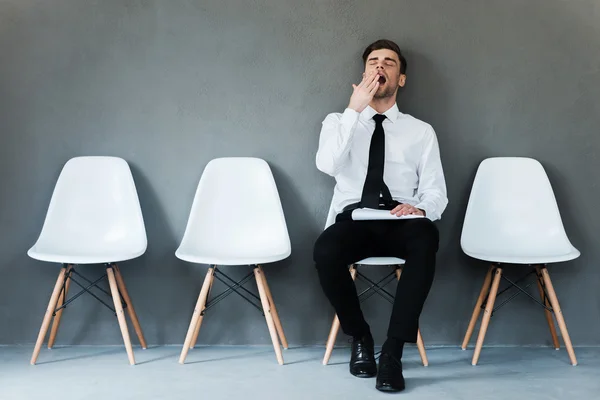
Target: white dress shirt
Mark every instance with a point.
(412, 171)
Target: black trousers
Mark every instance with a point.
(347, 241)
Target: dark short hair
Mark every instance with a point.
(386, 44)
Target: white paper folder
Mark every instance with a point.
(363, 214)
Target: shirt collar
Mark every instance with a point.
(391, 114)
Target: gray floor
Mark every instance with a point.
(252, 373)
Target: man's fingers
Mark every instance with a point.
(400, 210)
(411, 210)
(373, 77)
(370, 77)
(372, 83)
(364, 80)
(396, 209)
(373, 89)
(404, 209)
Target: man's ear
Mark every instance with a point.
(402, 80)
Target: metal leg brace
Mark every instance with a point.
(86, 289)
(376, 287)
(519, 290)
(234, 286)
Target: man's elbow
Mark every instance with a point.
(326, 165)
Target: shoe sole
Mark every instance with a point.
(387, 389)
(364, 375)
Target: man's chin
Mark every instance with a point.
(383, 94)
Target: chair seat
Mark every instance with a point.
(524, 258)
(81, 257)
(381, 261)
(189, 255)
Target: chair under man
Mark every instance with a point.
(373, 288)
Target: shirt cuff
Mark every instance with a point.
(349, 117)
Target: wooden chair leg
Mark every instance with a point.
(420, 343)
(197, 315)
(558, 314)
(268, 314)
(197, 331)
(130, 309)
(546, 311)
(114, 289)
(335, 328)
(48, 315)
(484, 291)
(421, 347)
(61, 300)
(487, 314)
(353, 270)
(398, 273)
(278, 325)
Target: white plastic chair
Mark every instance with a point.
(512, 218)
(94, 217)
(374, 287)
(236, 219)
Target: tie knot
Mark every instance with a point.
(379, 118)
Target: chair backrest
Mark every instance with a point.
(94, 210)
(237, 212)
(512, 212)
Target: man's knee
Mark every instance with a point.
(326, 251)
(424, 234)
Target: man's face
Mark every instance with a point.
(387, 65)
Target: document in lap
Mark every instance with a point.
(363, 214)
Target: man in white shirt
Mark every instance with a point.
(381, 159)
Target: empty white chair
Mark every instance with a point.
(94, 217)
(374, 287)
(236, 219)
(512, 218)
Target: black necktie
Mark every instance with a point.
(375, 187)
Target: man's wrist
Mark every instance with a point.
(353, 108)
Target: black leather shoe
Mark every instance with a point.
(389, 377)
(362, 360)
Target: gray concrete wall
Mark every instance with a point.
(169, 85)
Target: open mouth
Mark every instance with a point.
(381, 79)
